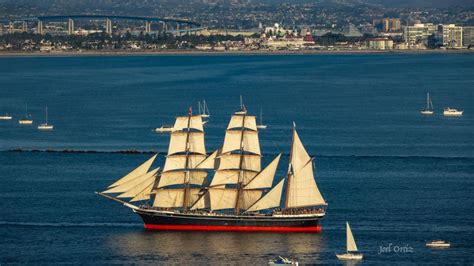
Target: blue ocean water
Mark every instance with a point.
(399, 178)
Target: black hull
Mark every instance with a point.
(155, 220)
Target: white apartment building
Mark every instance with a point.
(452, 36)
(418, 33)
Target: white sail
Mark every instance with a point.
(224, 177)
(248, 198)
(264, 179)
(186, 154)
(299, 155)
(234, 169)
(234, 140)
(209, 162)
(270, 200)
(195, 122)
(132, 183)
(195, 142)
(223, 198)
(302, 188)
(145, 194)
(181, 177)
(237, 122)
(133, 192)
(169, 198)
(233, 161)
(174, 198)
(203, 202)
(140, 170)
(178, 162)
(351, 244)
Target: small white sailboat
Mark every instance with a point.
(261, 125)
(6, 117)
(438, 244)
(282, 261)
(46, 126)
(27, 119)
(204, 110)
(452, 112)
(242, 110)
(352, 252)
(429, 106)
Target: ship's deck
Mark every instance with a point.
(218, 214)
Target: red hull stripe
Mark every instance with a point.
(232, 228)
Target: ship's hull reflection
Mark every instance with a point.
(216, 247)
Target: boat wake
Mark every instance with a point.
(65, 224)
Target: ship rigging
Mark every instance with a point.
(239, 197)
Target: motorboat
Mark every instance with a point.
(5, 117)
(282, 261)
(452, 112)
(438, 244)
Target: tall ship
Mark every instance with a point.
(240, 196)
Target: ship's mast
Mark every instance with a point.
(240, 178)
(290, 170)
(186, 177)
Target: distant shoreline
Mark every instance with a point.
(196, 52)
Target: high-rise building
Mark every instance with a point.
(391, 24)
(452, 36)
(387, 24)
(468, 36)
(418, 33)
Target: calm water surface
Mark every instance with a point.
(397, 177)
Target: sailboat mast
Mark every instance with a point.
(239, 184)
(46, 114)
(186, 177)
(261, 120)
(428, 100)
(290, 168)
